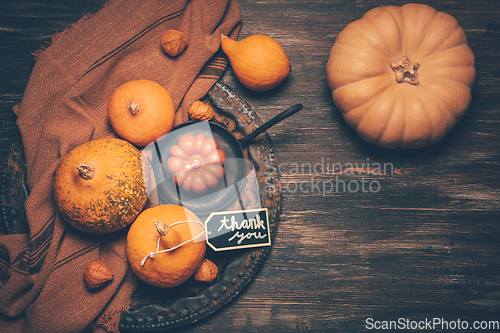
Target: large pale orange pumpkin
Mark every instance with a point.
(141, 111)
(180, 243)
(99, 186)
(402, 76)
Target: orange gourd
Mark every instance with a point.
(175, 236)
(258, 61)
(141, 111)
(402, 76)
(99, 186)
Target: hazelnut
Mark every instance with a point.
(201, 111)
(207, 272)
(96, 274)
(174, 42)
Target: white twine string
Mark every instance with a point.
(153, 254)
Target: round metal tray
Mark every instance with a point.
(156, 309)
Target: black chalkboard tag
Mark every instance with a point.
(238, 229)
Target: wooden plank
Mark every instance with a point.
(424, 245)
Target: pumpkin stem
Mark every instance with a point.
(86, 170)
(227, 43)
(169, 236)
(162, 228)
(134, 107)
(405, 71)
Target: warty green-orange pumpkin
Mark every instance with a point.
(99, 186)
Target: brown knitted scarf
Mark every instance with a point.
(64, 105)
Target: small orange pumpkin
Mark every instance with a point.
(175, 236)
(141, 111)
(99, 186)
(258, 61)
(402, 76)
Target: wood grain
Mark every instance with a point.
(424, 245)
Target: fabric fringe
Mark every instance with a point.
(58, 35)
(109, 322)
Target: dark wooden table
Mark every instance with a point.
(424, 246)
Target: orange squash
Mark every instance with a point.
(258, 61)
(141, 111)
(99, 186)
(402, 76)
(166, 245)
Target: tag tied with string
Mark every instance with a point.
(239, 229)
(224, 231)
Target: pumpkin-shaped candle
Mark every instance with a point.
(196, 162)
